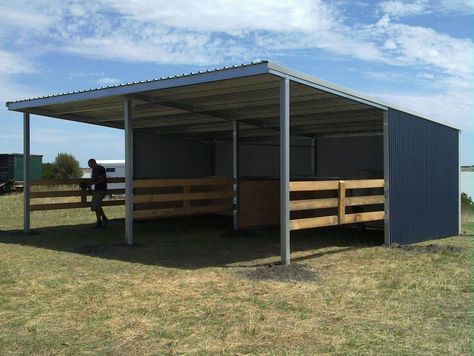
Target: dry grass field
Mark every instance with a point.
(192, 286)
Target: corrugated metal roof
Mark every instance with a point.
(105, 100)
(218, 69)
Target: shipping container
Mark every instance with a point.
(11, 166)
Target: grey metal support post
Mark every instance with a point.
(285, 170)
(128, 171)
(26, 172)
(235, 171)
(386, 170)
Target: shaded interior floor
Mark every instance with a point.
(193, 242)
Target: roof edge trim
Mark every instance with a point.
(170, 82)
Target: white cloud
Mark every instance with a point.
(464, 7)
(391, 76)
(231, 16)
(13, 63)
(451, 106)
(421, 46)
(18, 16)
(404, 8)
(213, 32)
(425, 75)
(106, 81)
(398, 8)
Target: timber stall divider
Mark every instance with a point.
(159, 198)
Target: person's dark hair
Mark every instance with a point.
(91, 161)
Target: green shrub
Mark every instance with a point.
(49, 170)
(66, 166)
(467, 208)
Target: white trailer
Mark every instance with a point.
(115, 169)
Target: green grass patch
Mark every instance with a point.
(66, 289)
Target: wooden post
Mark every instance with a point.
(186, 202)
(84, 196)
(341, 202)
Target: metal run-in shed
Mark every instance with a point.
(271, 146)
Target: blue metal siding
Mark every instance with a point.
(262, 160)
(350, 157)
(423, 179)
(163, 157)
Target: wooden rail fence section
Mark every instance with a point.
(61, 188)
(341, 202)
(157, 198)
(152, 198)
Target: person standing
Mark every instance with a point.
(99, 180)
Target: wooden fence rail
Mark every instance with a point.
(341, 202)
(156, 198)
(61, 188)
(152, 198)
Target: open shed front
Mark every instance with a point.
(259, 142)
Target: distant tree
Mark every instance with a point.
(49, 170)
(466, 201)
(66, 167)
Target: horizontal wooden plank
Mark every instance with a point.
(362, 217)
(181, 211)
(151, 183)
(307, 204)
(314, 185)
(56, 194)
(57, 206)
(69, 193)
(365, 200)
(308, 223)
(70, 181)
(155, 198)
(364, 183)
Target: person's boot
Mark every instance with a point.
(105, 221)
(98, 225)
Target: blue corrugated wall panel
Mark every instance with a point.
(352, 157)
(164, 157)
(423, 179)
(262, 160)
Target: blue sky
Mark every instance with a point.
(418, 54)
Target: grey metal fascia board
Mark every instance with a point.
(344, 92)
(199, 78)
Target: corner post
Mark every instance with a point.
(26, 172)
(285, 170)
(128, 121)
(386, 170)
(235, 171)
